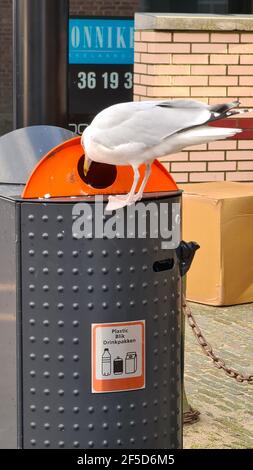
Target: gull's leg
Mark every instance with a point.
(116, 202)
(144, 182)
(131, 195)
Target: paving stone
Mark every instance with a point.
(226, 406)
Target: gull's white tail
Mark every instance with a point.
(212, 132)
(201, 135)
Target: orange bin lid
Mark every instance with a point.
(60, 174)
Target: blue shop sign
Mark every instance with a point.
(101, 41)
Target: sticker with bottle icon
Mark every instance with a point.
(118, 356)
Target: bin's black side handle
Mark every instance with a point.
(163, 265)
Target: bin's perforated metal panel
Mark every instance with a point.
(67, 284)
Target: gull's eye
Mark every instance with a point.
(99, 175)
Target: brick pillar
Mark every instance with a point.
(205, 58)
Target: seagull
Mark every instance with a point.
(138, 132)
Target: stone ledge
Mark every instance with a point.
(186, 22)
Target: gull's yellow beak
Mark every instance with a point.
(86, 166)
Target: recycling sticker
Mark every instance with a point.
(118, 356)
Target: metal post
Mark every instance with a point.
(40, 31)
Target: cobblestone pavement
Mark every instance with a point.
(226, 406)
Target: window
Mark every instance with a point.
(214, 6)
(198, 6)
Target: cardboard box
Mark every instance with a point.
(219, 216)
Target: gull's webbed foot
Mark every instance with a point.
(117, 202)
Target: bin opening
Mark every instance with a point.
(100, 175)
(60, 174)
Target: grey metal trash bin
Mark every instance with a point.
(60, 299)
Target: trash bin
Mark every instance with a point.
(90, 328)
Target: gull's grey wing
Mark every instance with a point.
(183, 104)
(148, 122)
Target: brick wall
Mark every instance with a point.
(103, 7)
(85, 7)
(210, 66)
